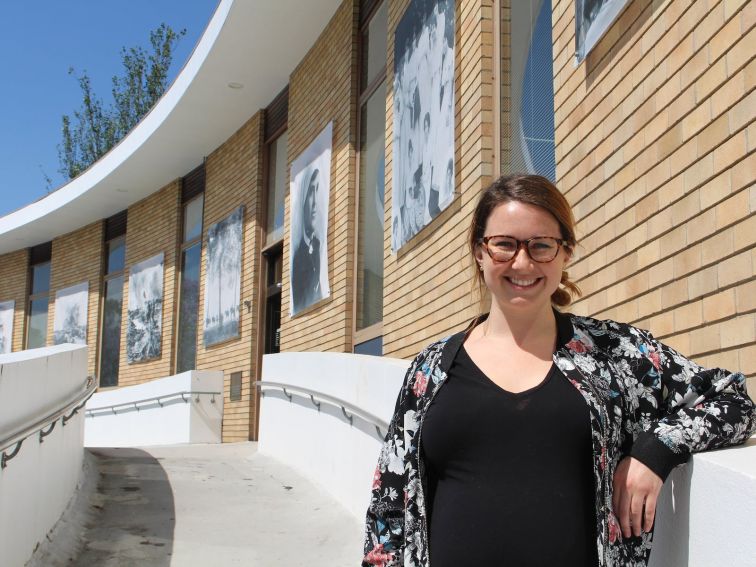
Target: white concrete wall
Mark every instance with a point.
(705, 515)
(322, 445)
(707, 511)
(175, 422)
(38, 483)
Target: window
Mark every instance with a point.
(274, 226)
(277, 162)
(531, 111)
(274, 269)
(39, 297)
(372, 151)
(191, 257)
(115, 262)
(273, 255)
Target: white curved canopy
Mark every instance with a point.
(256, 43)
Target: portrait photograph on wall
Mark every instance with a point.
(592, 19)
(310, 188)
(423, 140)
(223, 278)
(143, 332)
(70, 321)
(6, 325)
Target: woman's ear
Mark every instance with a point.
(479, 253)
(567, 254)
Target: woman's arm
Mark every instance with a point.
(698, 409)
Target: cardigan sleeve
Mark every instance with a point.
(698, 409)
(384, 523)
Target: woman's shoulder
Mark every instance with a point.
(437, 347)
(439, 353)
(607, 331)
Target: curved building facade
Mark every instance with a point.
(307, 182)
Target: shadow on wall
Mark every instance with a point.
(705, 510)
(133, 513)
(604, 52)
(672, 532)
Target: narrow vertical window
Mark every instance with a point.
(273, 254)
(372, 148)
(115, 262)
(276, 189)
(531, 76)
(273, 300)
(39, 296)
(191, 256)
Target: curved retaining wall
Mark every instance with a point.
(174, 422)
(705, 512)
(323, 445)
(37, 484)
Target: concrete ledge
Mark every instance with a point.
(705, 515)
(36, 382)
(175, 422)
(37, 484)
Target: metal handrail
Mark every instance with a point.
(43, 427)
(113, 409)
(317, 397)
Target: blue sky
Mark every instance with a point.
(39, 41)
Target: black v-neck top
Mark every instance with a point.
(510, 474)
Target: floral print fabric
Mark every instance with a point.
(645, 400)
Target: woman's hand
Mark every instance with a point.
(636, 489)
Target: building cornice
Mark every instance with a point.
(241, 62)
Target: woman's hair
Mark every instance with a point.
(532, 190)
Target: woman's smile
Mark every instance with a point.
(523, 283)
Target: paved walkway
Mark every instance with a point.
(212, 505)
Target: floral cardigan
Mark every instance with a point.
(644, 400)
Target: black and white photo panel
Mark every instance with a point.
(310, 187)
(423, 143)
(223, 278)
(70, 321)
(592, 19)
(6, 325)
(143, 333)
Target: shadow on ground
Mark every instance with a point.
(133, 514)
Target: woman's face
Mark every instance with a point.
(521, 284)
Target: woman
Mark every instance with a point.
(552, 435)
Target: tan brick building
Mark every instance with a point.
(652, 141)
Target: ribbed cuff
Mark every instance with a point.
(656, 455)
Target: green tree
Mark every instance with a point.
(94, 128)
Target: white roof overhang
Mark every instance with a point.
(255, 43)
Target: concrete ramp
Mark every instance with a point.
(199, 505)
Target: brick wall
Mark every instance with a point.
(427, 286)
(153, 227)
(655, 140)
(322, 89)
(77, 258)
(14, 272)
(654, 149)
(233, 178)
